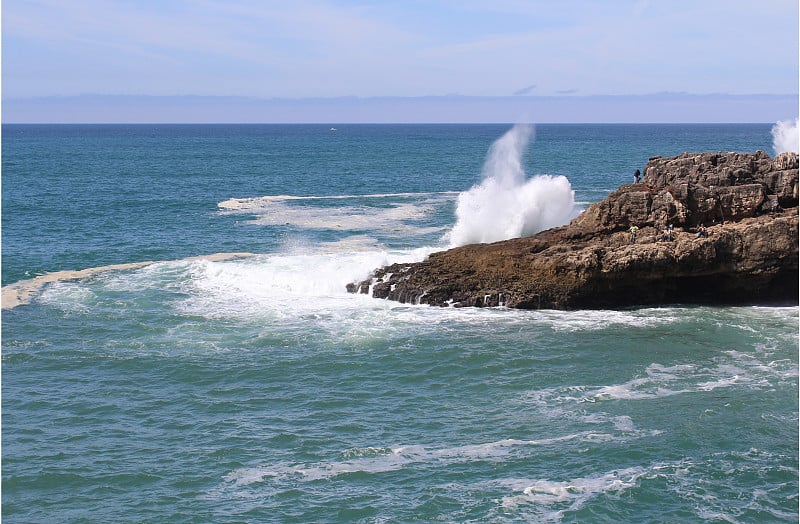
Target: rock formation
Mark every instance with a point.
(734, 240)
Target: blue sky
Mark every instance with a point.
(304, 49)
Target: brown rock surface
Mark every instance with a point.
(747, 202)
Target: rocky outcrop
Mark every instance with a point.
(733, 239)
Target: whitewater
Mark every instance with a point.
(505, 204)
(178, 344)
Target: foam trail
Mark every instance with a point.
(506, 204)
(237, 204)
(784, 136)
(21, 293)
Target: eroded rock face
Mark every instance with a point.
(747, 204)
(690, 190)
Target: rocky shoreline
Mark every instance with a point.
(710, 228)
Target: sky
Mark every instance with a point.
(94, 59)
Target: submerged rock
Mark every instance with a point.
(733, 239)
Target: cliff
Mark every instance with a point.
(734, 240)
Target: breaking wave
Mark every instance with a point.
(784, 136)
(506, 204)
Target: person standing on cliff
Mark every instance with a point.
(636, 175)
(633, 231)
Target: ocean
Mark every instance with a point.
(184, 349)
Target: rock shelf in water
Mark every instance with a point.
(746, 202)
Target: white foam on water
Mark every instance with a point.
(725, 376)
(68, 296)
(349, 218)
(350, 244)
(549, 499)
(395, 216)
(246, 476)
(283, 284)
(661, 381)
(375, 460)
(23, 291)
(506, 204)
(287, 291)
(624, 423)
(500, 449)
(709, 488)
(731, 369)
(757, 368)
(366, 452)
(657, 383)
(721, 473)
(599, 320)
(710, 496)
(256, 203)
(294, 287)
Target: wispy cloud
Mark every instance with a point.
(347, 47)
(525, 90)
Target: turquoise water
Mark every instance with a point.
(258, 390)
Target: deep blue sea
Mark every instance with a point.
(149, 376)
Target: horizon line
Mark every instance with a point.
(397, 97)
(456, 109)
(333, 123)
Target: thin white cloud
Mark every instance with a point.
(343, 47)
(525, 90)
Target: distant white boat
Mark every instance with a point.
(334, 129)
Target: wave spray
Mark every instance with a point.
(506, 204)
(784, 136)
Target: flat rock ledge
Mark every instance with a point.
(734, 240)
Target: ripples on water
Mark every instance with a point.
(256, 389)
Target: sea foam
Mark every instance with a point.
(506, 204)
(374, 460)
(392, 214)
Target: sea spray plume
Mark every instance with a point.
(504, 161)
(506, 204)
(784, 136)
